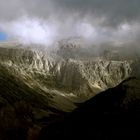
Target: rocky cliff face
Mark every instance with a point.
(80, 78)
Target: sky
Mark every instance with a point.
(3, 36)
(47, 21)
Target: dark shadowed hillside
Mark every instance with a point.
(21, 107)
(113, 114)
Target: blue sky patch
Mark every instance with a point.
(3, 36)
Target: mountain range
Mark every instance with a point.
(68, 91)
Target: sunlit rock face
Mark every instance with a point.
(76, 79)
(93, 75)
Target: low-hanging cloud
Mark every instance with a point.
(47, 21)
(31, 31)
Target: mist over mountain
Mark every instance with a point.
(69, 68)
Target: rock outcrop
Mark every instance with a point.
(82, 78)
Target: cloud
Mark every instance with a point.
(115, 12)
(31, 31)
(46, 21)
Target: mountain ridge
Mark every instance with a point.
(112, 114)
(45, 86)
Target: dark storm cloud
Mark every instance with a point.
(99, 20)
(115, 11)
